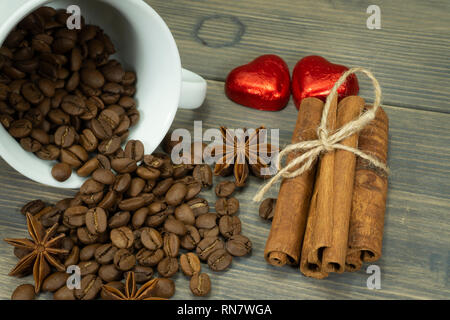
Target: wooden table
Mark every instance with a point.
(409, 55)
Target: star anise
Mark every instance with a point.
(240, 150)
(131, 292)
(42, 249)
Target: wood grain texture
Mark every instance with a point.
(416, 257)
(409, 55)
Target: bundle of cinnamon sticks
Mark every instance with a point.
(331, 218)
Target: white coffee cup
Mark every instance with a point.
(144, 44)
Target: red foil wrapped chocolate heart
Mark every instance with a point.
(262, 84)
(314, 76)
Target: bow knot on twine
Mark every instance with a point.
(327, 142)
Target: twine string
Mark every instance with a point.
(325, 141)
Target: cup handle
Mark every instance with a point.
(193, 90)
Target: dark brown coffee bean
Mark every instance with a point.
(136, 186)
(64, 293)
(91, 186)
(86, 169)
(156, 220)
(175, 226)
(238, 245)
(88, 267)
(212, 232)
(20, 128)
(88, 252)
(176, 193)
(73, 105)
(191, 239)
(96, 220)
(73, 257)
(109, 272)
(91, 109)
(164, 288)
(88, 140)
(190, 264)
(103, 162)
(200, 284)
(162, 187)
(167, 267)
(92, 78)
(124, 260)
(32, 93)
(55, 281)
(48, 152)
(206, 221)
(113, 71)
(90, 287)
(69, 158)
(33, 207)
(152, 161)
(207, 246)
(203, 174)
(123, 165)
(267, 208)
(149, 258)
(65, 136)
(24, 292)
(122, 237)
(109, 200)
(134, 150)
(122, 182)
(40, 135)
(132, 204)
(193, 190)
(226, 206)
(219, 260)
(104, 254)
(61, 171)
(139, 217)
(225, 188)
(229, 226)
(101, 129)
(75, 216)
(199, 206)
(103, 176)
(151, 238)
(142, 274)
(185, 214)
(85, 236)
(171, 245)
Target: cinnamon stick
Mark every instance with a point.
(369, 196)
(288, 226)
(325, 244)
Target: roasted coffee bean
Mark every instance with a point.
(153, 161)
(136, 186)
(24, 292)
(104, 176)
(200, 284)
(176, 193)
(88, 167)
(267, 208)
(219, 260)
(92, 78)
(139, 217)
(171, 245)
(20, 128)
(191, 239)
(212, 232)
(88, 140)
(48, 152)
(123, 165)
(185, 214)
(75, 216)
(96, 220)
(70, 158)
(85, 236)
(101, 129)
(207, 246)
(199, 206)
(90, 287)
(167, 267)
(151, 238)
(73, 257)
(122, 182)
(88, 267)
(73, 105)
(164, 288)
(91, 186)
(175, 226)
(238, 245)
(225, 188)
(122, 237)
(156, 220)
(124, 260)
(109, 200)
(104, 254)
(119, 219)
(40, 135)
(229, 226)
(162, 187)
(109, 272)
(55, 281)
(149, 258)
(64, 293)
(148, 173)
(88, 252)
(132, 204)
(33, 207)
(61, 171)
(227, 206)
(203, 174)
(142, 274)
(110, 145)
(193, 190)
(190, 264)
(206, 221)
(65, 136)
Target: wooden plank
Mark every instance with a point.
(409, 54)
(416, 257)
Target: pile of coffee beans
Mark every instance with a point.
(61, 97)
(142, 213)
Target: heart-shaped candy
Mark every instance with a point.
(314, 76)
(262, 84)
